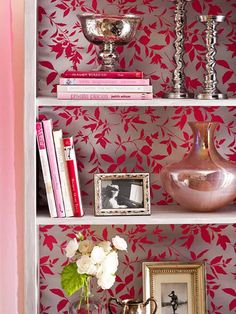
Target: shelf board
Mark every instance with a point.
(155, 102)
(167, 214)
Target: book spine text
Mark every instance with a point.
(101, 74)
(103, 81)
(47, 127)
(103, 89)
(63, 173)
(73, 175)
(45, 169)
(105, 96)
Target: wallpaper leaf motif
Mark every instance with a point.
(132, 139)
(138, 139)
(62, 44)
(162, 243)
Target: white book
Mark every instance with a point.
(45, 169)
(63, 173)
(48, 128)
(104, 89)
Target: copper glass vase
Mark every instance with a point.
(204, 180)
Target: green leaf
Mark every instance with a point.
(71, 280)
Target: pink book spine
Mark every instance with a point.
(104, 81)
(105, 96)
(73, 175)
(45, 169)
(100, 74)
(47, 126)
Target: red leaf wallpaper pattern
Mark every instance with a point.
(62, 46)
(126, 139)
(137, 139)
(213, 244)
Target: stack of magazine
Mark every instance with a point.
(104, 85)
(60, 171)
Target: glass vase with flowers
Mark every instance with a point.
(88, 260)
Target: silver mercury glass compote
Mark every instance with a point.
(109, 31)
(179, 90)
(210, 82)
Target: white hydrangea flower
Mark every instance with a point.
(98, 254)
(110, 263)
(85, 246)
(119, 243)
(106, 280)
(85, 265)
(71, 248)
(106, 245)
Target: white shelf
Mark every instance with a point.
(168, 214)
(156, 102)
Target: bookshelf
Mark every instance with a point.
(163, 214)
(176, 215)
(156, 102)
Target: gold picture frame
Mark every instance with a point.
(175, 286)
(119, 194)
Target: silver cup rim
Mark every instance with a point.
(108, 16)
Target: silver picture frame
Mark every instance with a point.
(178, 287)
(122, 194)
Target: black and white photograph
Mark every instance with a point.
(174, 298)
(122, 194)
(178, 287)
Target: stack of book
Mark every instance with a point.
(104, 85)
(60, 172)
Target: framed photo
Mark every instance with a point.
(179, 288)
(122, 194)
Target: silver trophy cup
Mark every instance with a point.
(109, 31)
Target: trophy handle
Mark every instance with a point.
(155, 304)
(111, 300)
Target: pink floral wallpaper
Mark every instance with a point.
(126, 139)
(213, 244)
(62, 46)
(137, 139)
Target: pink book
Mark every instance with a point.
(47, 127)
(73, 175)
(104, 81)
(103, 89)
(100, 74)
(45, 169)
(104, 96)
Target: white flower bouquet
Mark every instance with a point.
(89, 260)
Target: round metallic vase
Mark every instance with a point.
(109, 31)
(210, 82)
(204, 180)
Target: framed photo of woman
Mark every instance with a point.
(122, 194)
(177, 287)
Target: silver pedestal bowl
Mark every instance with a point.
(109, 31)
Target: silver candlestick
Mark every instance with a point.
(179, 90)
(210, 82)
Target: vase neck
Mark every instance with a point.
(203, 133)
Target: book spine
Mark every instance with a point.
(73, 175)
(105, 96)
(101, 74)
(45, 169)
(63, 173)
(103, 81)
(47, 127)
(103, 89)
